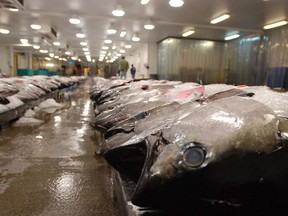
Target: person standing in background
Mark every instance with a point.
(133, 71)
(123, 66)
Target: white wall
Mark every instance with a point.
(138, 58)
(6, 60)
(142, 57)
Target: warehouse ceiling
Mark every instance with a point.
(246, 17)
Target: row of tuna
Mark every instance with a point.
(15, 91)
(185, 143)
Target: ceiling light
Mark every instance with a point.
(43, 51)
(35, 26)
(135, 37)
(108, 41)
(220, 19)
(85, 49)
(114, 47)
(149, 25)
(86, 53)
(13, 9)
(4, 31)
(74, 58)
(67, 53)
(231, 37)
(56, 57)
(118, 11)
(51, 55)
(277, 24)
(188, 32)
(24, 41)
(56, 43)
(80, 35)
(111, 30)
(74, 21)
(144, 2)
(122, 51)
(105, 47)
(123, 33)
(83, 43)
(176, 3)
(36, 47)
(47, 58)
(128, 46)
(103, 52)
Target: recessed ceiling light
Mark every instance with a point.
(80, 35)
(188, 32)
(114, 47)
(149, 25)
(24, 41)
(35, 26)
(74, 21)
(67, 53)
(118, 11)
(56, 43)
(128, 46)
(51, 55)
(111, 30)
(144, 2)
(85, 49)
(108, 41)
(231, 37)
(43, 51)
(36, 47)
(220, 19)
(277, 24)
(176, 3)
(105, 47)
(4, 31)
(83, 43)
(135, 37)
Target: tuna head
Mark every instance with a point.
(216, 151)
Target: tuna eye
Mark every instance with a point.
(194, 156)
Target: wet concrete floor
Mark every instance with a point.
(52, 169)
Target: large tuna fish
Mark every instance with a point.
(232, 149)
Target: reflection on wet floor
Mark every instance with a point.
(51, 168)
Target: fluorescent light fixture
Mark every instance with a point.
(93, 60)
(128, 46)
(231, 37)
(176, 3)
(24, 41)
(119, 12)
(105, 47)
(47, 58)
(83, 43)
(122, 51)
(36, 47)
(274, 25)
(35, 26)
(43, 51)
(51, 55)
(56, 57)
(67, 53)
(135, 37)
(4, 31)
(74, 21)
(103, 52)
(123, 33)
(74, 58)
(13, 9)
(144, 2)
(114, 47)
(107, 41)
(85, 49)
(188, 32)
(80, 35)
(86, 53)
(56, 43)
(149, 25)
(220, 19)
